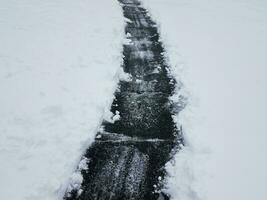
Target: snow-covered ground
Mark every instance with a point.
(219, 49)
(59, 62)
(58, 66)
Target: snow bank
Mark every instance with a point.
(219, 49)
(58, 66)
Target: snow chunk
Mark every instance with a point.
(123, 76)
(77, 178)
(116, 117)
(110, 117)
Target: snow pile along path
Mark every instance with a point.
(58, 66)
(223, 64)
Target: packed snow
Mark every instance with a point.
(59, 63)
(218, 49)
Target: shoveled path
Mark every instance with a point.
(126, 161)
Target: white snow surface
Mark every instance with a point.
(59, 64)
(218, 49)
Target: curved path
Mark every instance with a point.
(126, 161)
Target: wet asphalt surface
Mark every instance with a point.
(127, 159)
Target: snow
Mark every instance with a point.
(60, 62)
(77, 178)
(116, 117)
(60, 65)
(218, 49)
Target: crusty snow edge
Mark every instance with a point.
(76, 179)
(181, 176)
